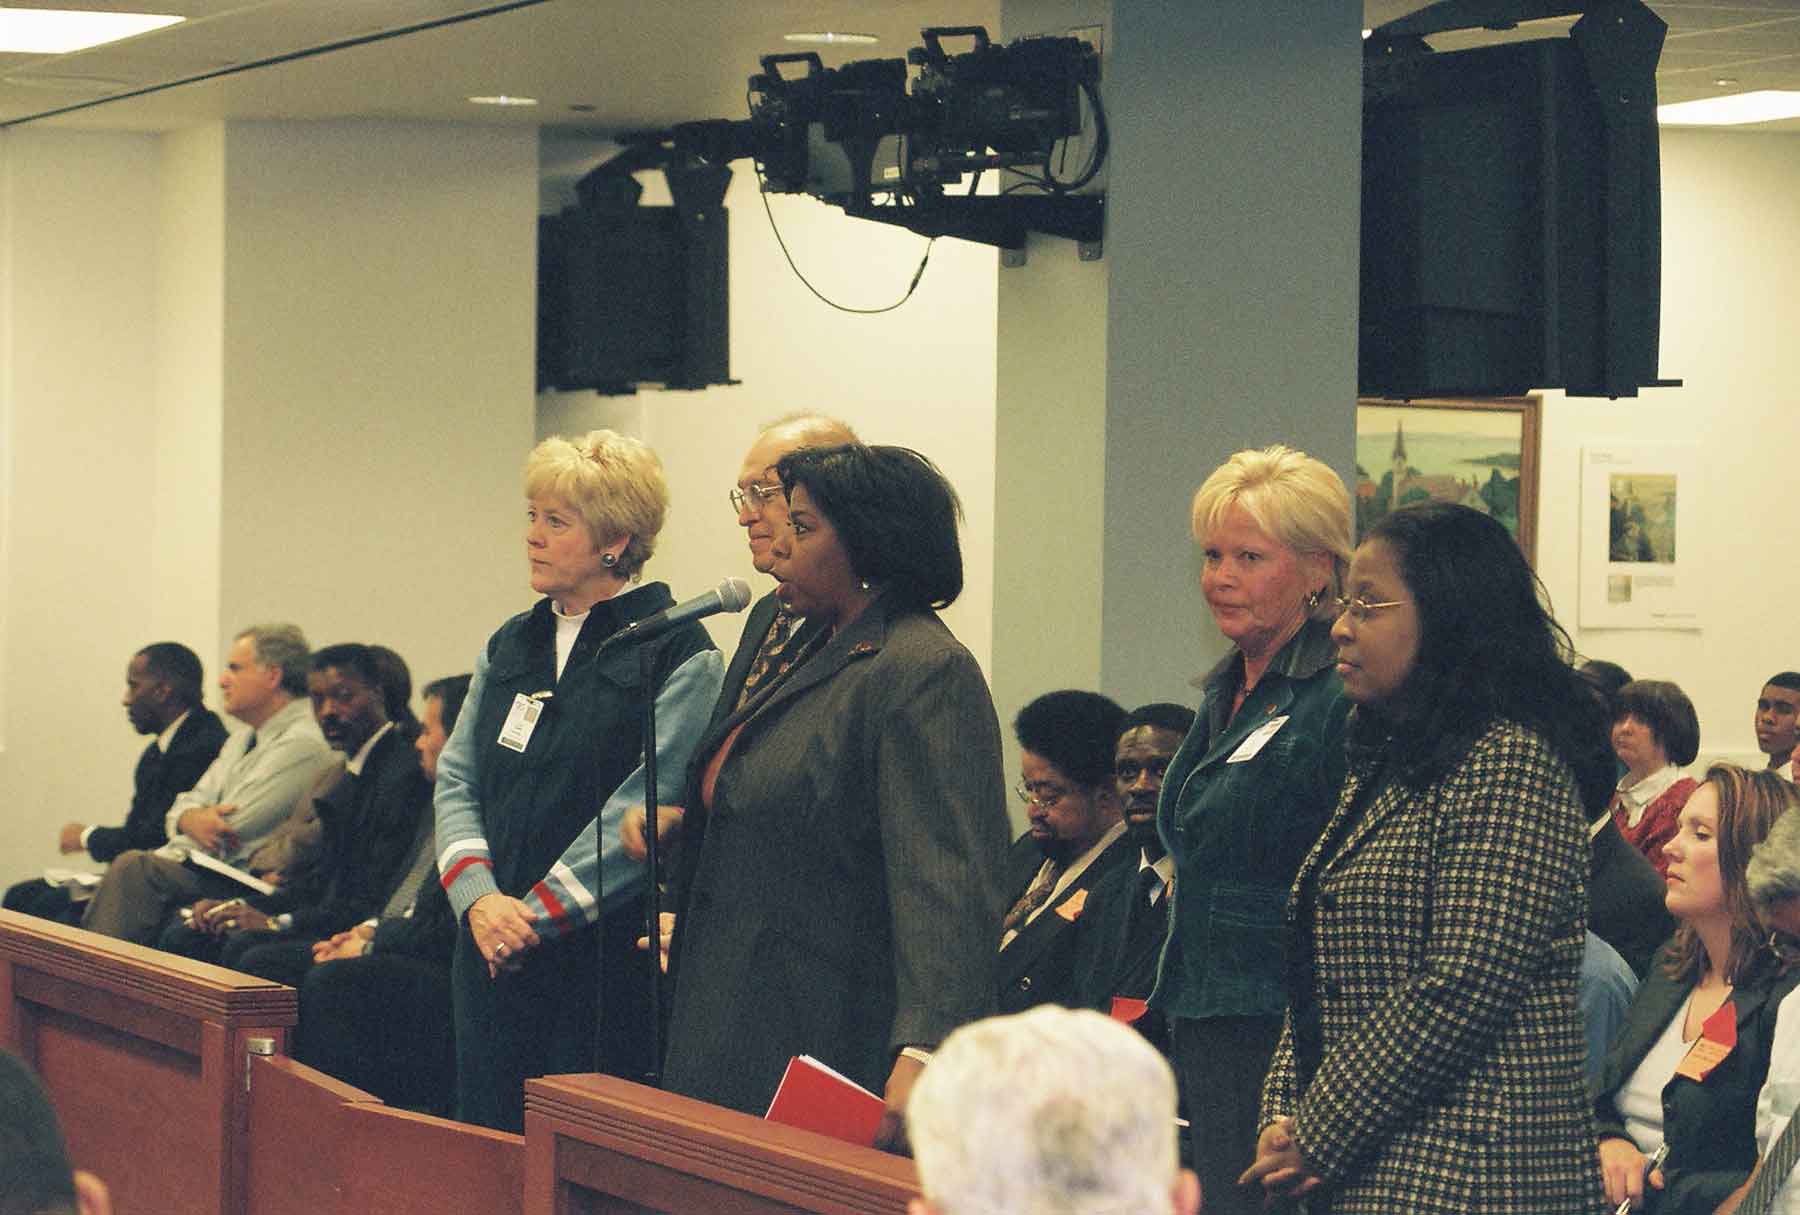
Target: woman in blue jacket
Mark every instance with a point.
(1250, 788)
(550, 733)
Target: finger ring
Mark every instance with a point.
(500, 950)
(231, 923)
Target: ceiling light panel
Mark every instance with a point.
(1739, 109)
(48, 31)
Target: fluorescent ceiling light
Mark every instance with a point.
(832, 37)
(49, 31)
(1764, 105)
(504, 99)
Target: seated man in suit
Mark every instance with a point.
(1120, 937)
(163, 692)
(375, 1004)
(246, 793)
(370, 822)
(1075, 838)
(35, 1177)
(1050, 1110)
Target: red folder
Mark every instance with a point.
(813, 1097)
(1127, 1010)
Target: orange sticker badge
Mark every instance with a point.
(1070, 908)
(1718, 1038)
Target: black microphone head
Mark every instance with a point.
(734, 595)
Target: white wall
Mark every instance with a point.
(190, 392)
(1731, 259)
(378, 381)
(268, 371)
(79, 280)
(922, 376)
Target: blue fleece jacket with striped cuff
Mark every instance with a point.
(563, 900)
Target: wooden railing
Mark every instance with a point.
(595, 1145)
(155, 1065)
(318, 1146)
(144, 1055)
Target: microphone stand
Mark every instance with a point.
(653, 897)
(652, 903)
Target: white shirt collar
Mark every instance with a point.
(355, 766)
(168, 735)
(1645, 791)
(1165, 869)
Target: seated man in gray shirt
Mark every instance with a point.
(246, 793)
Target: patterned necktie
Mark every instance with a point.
(251, 745)
(1035, 896)
(1777, 1163)
(769, 655)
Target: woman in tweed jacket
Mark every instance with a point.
(1432, 1056)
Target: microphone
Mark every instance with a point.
(731, 595)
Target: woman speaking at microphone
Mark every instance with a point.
(552, 731)
(846, 824)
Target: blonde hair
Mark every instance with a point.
(1291, 497)
(614, 482)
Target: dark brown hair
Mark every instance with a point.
(1666, 709)
(1749, 804)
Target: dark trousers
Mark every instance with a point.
(39, 898)
(381, 1022)
(284, 958)
(546, 1018)
(1221, 1061)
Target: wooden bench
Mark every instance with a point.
(156, 1065)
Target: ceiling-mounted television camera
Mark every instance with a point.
(858, 137)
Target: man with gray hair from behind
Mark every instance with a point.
(1048, 1112)
(1773, 876)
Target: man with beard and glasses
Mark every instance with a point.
(1075, 838)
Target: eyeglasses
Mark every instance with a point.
(1042, 798)
(1360, 610)
(753, 496)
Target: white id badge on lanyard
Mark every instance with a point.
(1258, 738)
(523, 719)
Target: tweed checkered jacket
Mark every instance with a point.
(1447, 929)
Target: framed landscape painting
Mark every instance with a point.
(1482, 453)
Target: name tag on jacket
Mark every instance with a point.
(1258, 739)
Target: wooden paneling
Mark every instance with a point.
(599, 1145)
(143, 1054)
(321, 1147)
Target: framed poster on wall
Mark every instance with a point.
(1638, 548)
(1480, 452)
